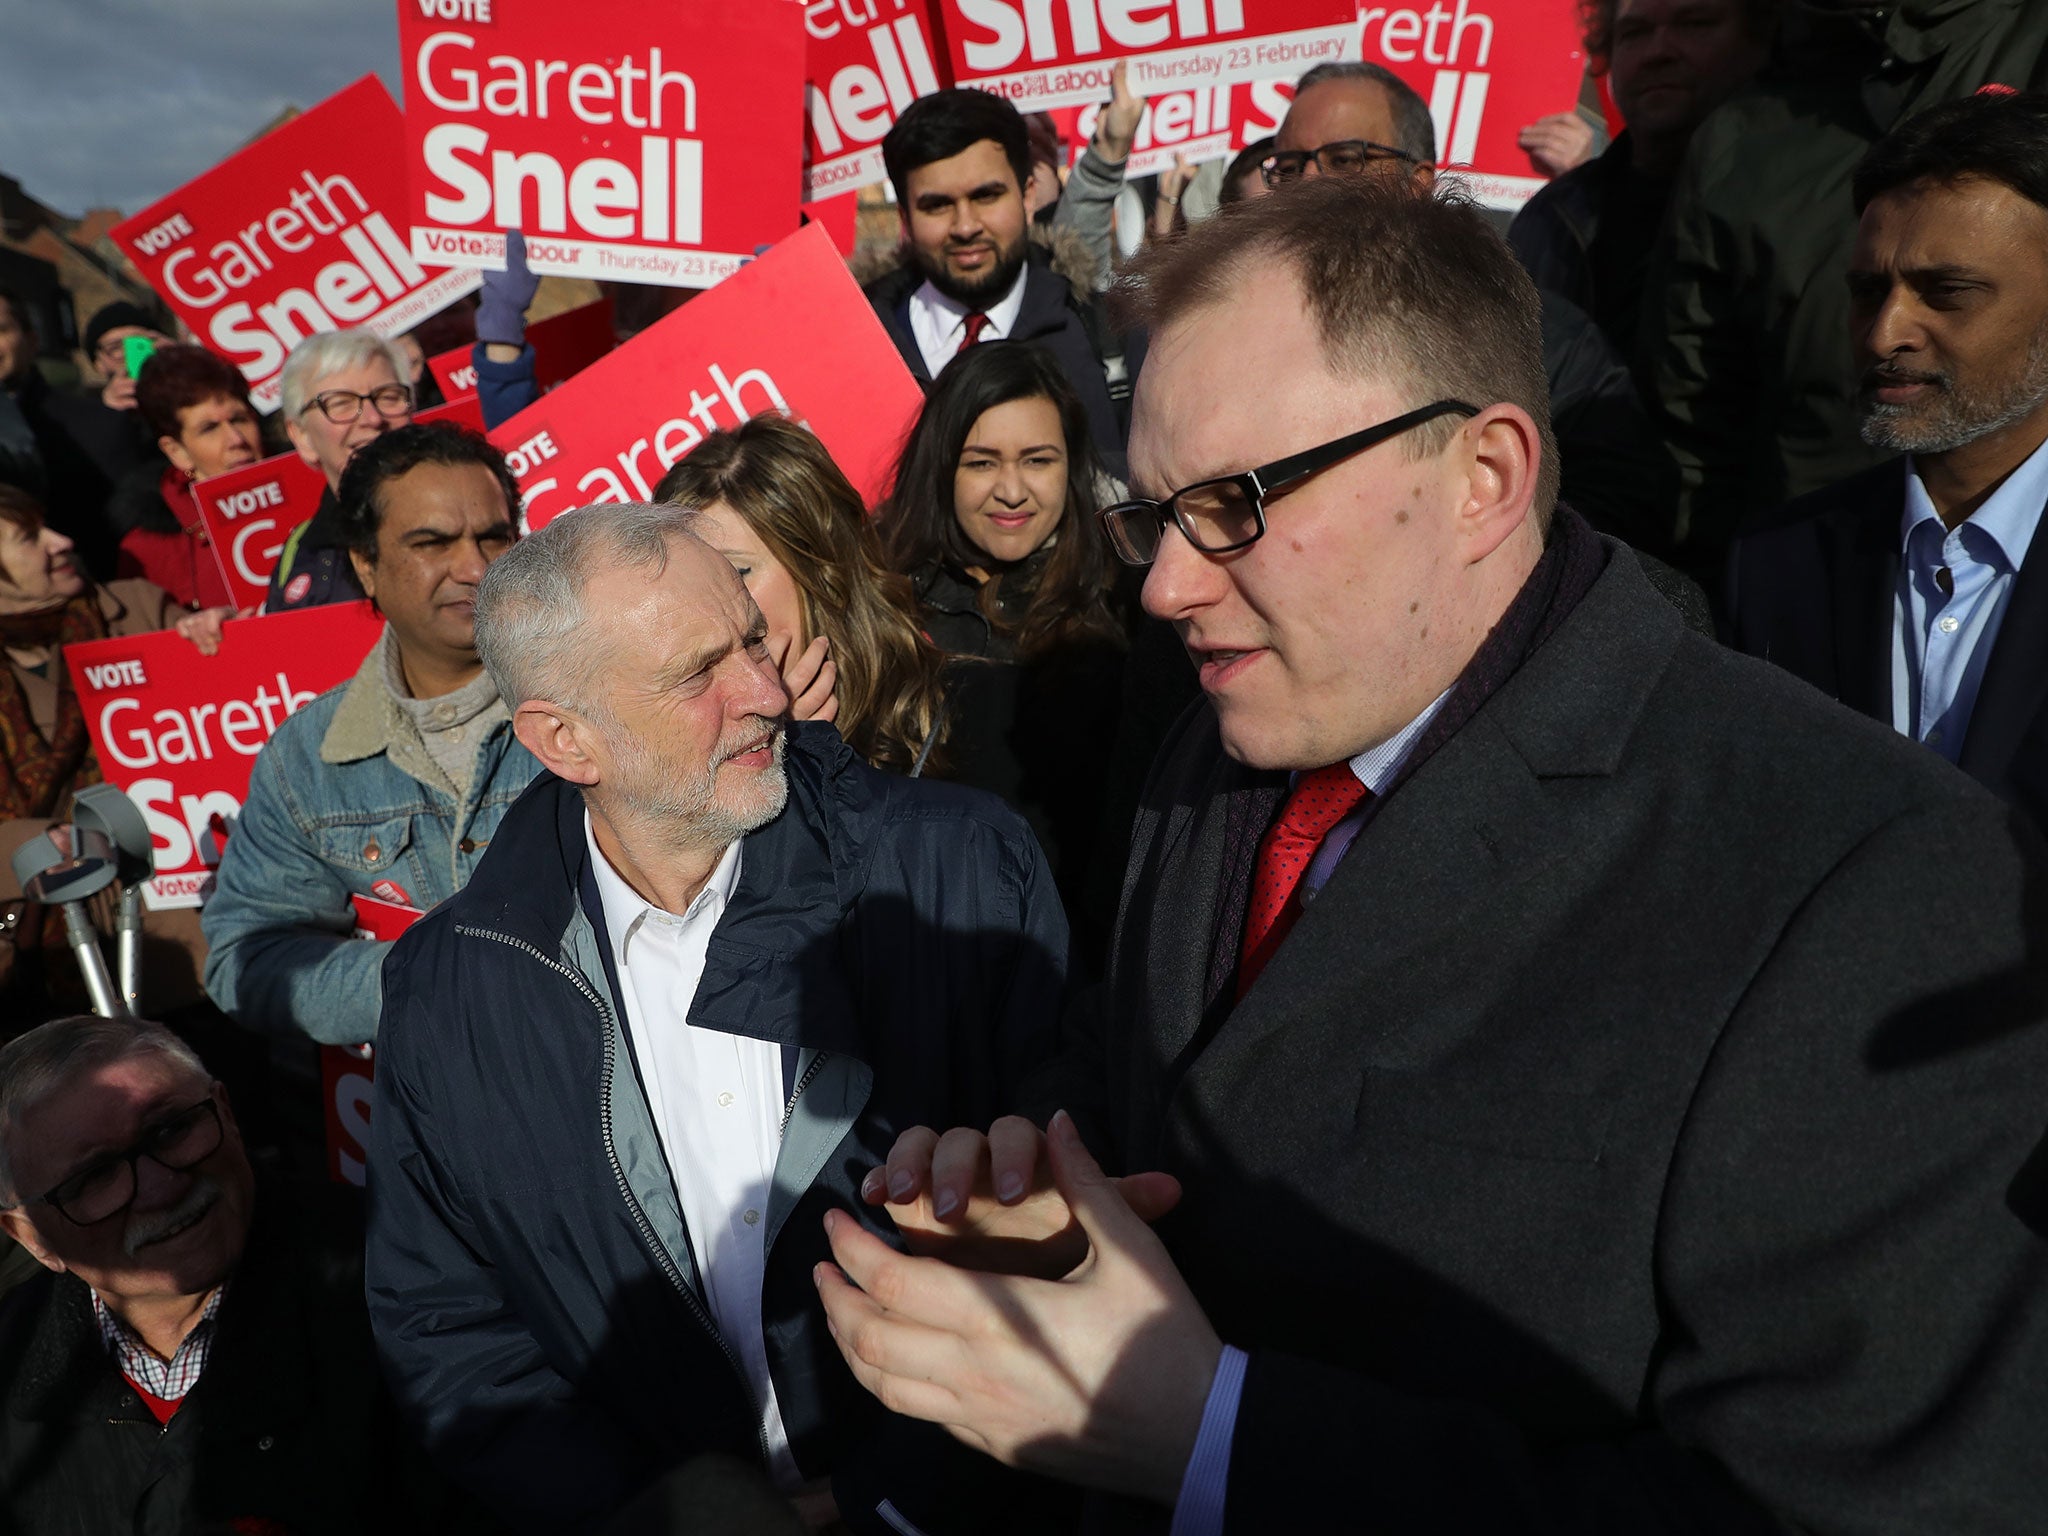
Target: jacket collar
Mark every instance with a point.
(771, 969)
(366, 722)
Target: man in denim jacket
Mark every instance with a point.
(392, 785)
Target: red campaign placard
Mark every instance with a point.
(1488, 69)
(865, 61)
(1042, 54)
(841, 217)
(179, 731)
(790, 332)
(347, 1071)
(563, 345)
(464, 410)
(346, 1075)
(250, 512)
(298, 233)
(1195, 125)
(657, 144)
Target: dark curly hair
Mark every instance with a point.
(399, 452)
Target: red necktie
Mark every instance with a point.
(976, 323)
(1318, 801)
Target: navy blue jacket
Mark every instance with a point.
(531, 1282)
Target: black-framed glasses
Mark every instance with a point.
(343, 406)
(1229, 512)
(107, 1187)
(1343, 157)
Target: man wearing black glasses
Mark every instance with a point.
(1598, 1074)
(183, 1364)
(339, 392)
(1348, 119)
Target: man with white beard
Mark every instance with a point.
(1917, 592)
(710, 966)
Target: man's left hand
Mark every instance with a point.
(1098, 1378)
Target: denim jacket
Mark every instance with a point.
(344, 800)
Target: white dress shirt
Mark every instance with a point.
(716, 1100)
(939, 324)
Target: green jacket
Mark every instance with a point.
(1745, 340)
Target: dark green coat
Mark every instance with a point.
(1746, 337)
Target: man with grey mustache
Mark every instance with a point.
(185, 1363)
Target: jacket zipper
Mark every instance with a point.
(640, 1221)
(789, 1109)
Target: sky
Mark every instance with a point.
(113, 103)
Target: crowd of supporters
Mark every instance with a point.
(1395, 880)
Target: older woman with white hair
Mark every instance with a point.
(340, 390)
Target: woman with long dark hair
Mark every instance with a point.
(993, 519)
(842, 625)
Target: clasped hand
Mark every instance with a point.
(1039, 1319)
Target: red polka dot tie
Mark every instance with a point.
(975, 323)
(1318, 801)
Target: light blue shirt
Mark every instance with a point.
(1954, 585)
(1199, 1509)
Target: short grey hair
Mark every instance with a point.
(1414, 128)
(319, 357)
(35, 1065)
(531, 613)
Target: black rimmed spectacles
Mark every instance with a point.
(343, 406)
(107, 1187)
(1229, 512)
(1344, 157)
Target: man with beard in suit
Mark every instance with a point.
(1917, 591)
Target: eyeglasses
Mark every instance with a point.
(107, 1188)
(1345, 157)
(1229, 512)
(343, 406)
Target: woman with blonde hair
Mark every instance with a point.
(841, 625)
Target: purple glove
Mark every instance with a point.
(501, 312)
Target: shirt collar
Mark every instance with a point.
(1002, 315)
(625, 909)
(1376, 766)
(132, 1354)
(2008, 517)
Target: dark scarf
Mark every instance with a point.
(36, 773)
(1572, 561)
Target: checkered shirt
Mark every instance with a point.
(168, 1379)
